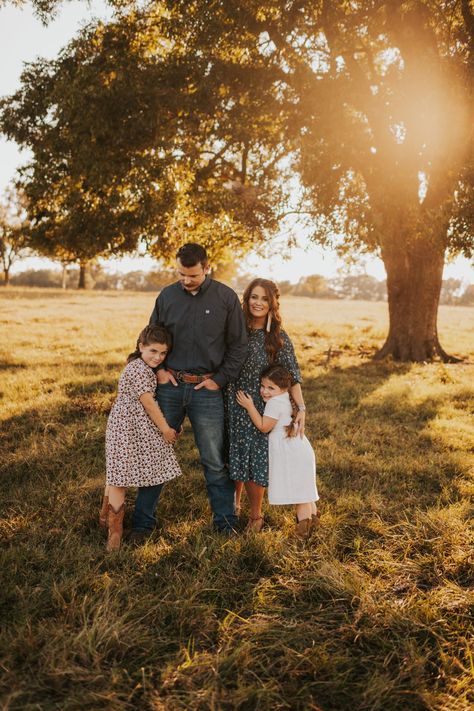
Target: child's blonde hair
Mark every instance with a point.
(282, 377)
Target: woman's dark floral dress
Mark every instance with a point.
(248, 448)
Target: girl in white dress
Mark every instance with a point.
(138, 441)
(292, 464)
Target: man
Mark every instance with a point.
(209, 335)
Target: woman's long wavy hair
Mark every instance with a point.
(149, 335)
(273, 337)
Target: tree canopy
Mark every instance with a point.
(221, 120)
(127, 147)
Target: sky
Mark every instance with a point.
(23, 38)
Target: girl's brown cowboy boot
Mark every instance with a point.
(115, 524)
(103, 513)
(303, 528)
(315, 520)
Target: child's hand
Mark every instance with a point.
(165, 376)
(169, 435)
(244, 400)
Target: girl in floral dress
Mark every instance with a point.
(268, 344)
(138, 442)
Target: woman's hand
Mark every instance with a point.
(300, 422)
(244, 400)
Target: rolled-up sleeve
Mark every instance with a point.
(236, 345)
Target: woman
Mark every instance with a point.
(268, 344)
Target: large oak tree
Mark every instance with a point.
(374, 101)
(128, 148)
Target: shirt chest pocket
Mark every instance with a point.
(214, 323)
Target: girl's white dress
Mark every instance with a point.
(292, 464)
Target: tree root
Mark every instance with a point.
(406, 354)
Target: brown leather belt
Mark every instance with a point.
(183, 377)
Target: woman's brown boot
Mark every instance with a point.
(104, 510)
(303, 528)
(115, 524)
(255, 524)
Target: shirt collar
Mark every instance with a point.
(204, 286)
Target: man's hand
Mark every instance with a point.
(244, 400)
(209, 384)
(165, 376)
(299, 423)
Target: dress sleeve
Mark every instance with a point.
(272, 409)
(287, 358)
(137, 379)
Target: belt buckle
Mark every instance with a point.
(180, 376)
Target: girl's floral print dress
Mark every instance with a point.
(136, 453)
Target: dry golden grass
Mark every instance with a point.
(374, 613)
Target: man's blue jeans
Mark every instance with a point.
(205, 409)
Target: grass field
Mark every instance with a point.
(375, 612)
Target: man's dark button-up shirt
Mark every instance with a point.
(208, 329)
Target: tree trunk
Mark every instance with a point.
(414, 277)
(6, 275)
(64, 277)
(82, 284)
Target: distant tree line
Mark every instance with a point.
(97, 278)
(349, 286)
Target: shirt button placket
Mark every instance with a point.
(194, 334)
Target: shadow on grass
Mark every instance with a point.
(81, 389)
(5, 366)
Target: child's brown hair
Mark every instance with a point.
(282, 377)
(149, 335)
